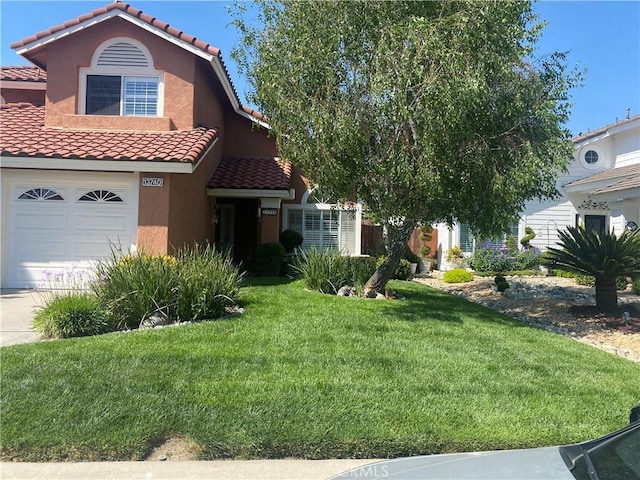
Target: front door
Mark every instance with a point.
(225, 233)
(595, 223)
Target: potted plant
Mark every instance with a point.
(413, 260)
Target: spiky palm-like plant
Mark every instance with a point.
(604, 256)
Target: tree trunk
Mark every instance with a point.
(398, 238)
(606, 293)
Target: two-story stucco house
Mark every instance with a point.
(600, 190)
(141, 141)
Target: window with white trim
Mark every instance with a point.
(40, 194)
(121, 81)
(100, 196)
(324, 225)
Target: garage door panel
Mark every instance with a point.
(47, 233)
(37, 249)
(106, 223)
(99, 247)
(40, 220)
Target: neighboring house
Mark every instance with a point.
(141, 141)
(600, 190)
(22, 84)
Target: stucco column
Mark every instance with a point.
(153, 213)
(269, 220)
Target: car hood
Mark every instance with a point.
(537, 463)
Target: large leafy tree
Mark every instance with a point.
(606, 256)
(424, 111)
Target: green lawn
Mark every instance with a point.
(307, 375)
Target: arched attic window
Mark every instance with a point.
(121, 81)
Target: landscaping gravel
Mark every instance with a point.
(558, 305)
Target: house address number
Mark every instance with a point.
(269, 212)
(152, 181)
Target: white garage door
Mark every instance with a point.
(57, 221)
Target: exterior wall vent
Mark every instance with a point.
(122, 54)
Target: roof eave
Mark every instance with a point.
(289, 194)
(47, 163)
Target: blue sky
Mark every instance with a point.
(602, 37)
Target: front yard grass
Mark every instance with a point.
(302, 374)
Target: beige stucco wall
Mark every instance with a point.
(67, 55)
(243, 138)
(15, 95)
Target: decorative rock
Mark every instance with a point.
(162, 458)
(156, 319)
(347, 291)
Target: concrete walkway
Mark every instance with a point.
(16, 315)
(215, 470)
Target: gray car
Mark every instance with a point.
(613, 457)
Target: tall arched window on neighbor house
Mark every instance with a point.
(121, 81)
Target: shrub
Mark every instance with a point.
(208, 283)
(197, 284)
(455, 254)
(636, 286)
(328, 271)
(458, 275)
(290, 240)
(269, 259)
(590, 281)
(563, 273)
(403, 271)
(502, 286)
(132, 287)
(499, 279)
(621, 283)
(71, 314)
(411, 257)
(488, 258)
(530, 235)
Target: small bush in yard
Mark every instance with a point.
(590, 281)
(71, 314)
(208, 283)
(636, 286)
(328, 271)
(269, 259)
(290, 240)
(132, 287)
(403, 271)
(197, 284)
(458, 275)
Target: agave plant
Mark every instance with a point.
(602, 255)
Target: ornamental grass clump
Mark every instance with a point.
(208, 283)
(198, 283)
(71, 314)
(457, 275)
(328, 271)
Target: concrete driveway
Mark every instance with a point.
(16, 315)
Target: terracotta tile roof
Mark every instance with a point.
(270, 173)
(36, 57)
(125, 7)
(23, 73)
(24, 135)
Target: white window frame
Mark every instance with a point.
(122, 72)
(328, 207)
(583, 157)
